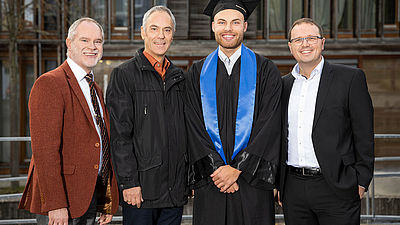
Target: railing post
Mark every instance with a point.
(373, 199)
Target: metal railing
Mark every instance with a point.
(370, 215)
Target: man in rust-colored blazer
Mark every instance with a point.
(70, 176)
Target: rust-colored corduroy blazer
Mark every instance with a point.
(65, 147)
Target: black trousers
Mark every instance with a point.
(310, 201)
(153, 216)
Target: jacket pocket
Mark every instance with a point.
(68, 170)
(348, 159)
(151, 182)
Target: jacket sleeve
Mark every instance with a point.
(46, 109)
(362, 123)
(120, 107)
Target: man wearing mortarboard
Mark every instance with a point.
(233, 120)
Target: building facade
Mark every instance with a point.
(360, 33)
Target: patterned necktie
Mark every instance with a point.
(105, 166)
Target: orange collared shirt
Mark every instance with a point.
(161, 68)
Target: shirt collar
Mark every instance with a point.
(229, 60)
(77, 70)
(165, 64)
(316, 71)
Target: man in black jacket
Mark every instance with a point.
(328, 140)
(148, 137)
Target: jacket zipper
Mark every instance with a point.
(175, 79)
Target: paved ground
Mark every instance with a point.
(385, 187)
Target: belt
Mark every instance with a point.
(308, 172)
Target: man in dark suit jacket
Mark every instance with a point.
(70, 176)
(327, 155)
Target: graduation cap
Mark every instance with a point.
(246, 7)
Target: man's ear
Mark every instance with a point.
(142, 32)
(213, 26)
(68, 43)
(290, 47)
(245, 26)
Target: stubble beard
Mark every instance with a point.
(234, 45)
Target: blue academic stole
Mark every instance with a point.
(246, 99)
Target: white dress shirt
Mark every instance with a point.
(301, 111)
(84, 85)
(229, 62)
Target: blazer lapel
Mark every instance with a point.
(287, 88)
(76, 89)
(288, 81)
(323, 89)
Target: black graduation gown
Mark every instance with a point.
(253, 203)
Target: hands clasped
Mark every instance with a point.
(225, 178)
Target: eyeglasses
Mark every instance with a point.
(310, 40)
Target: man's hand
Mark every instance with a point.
(104, 218)
(225, 176)
(133, 196)
(58, 216)
(361, 191)
(233, 188)
(278, 197)
(191, 194)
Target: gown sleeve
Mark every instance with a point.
(259, 160)
(203, 158)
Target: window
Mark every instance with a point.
(141, 7)
(322, 14)
(252, 24)
(28, 13)
(3, 17)
(368, 17)
(391, 23)
(121, 13)
(50, 10)
(75, 10)
(200, 24)
(297, 10)
(5, 112)
(277, 17)
(28, 73)
(390, 11)
(345, 16)
(98, 11)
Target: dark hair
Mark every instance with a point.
(305, 20)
